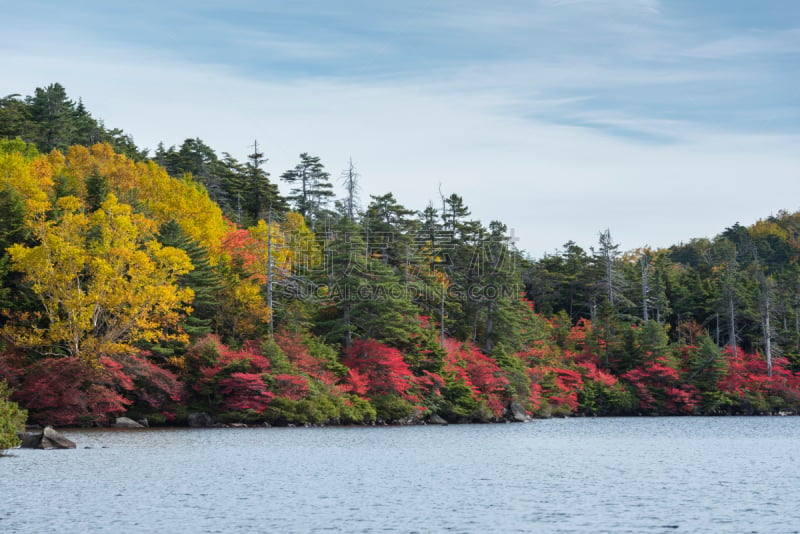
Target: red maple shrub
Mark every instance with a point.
(748, 382)
(660, 388)
(479, 372)
(378, 369)
(231, 378)
(295, 348)
(67, 391)
(245, 391)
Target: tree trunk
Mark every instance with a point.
(797, 322)
(489, 328)
(732, 319)
(348, 337)
(645, 289)
(766, 310)
(768, 340)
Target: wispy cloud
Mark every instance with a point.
(752, 43)
(559, 117)
(649, 6)
(291, 49)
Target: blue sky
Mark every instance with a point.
(661, 120)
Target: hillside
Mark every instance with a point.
(160, 285)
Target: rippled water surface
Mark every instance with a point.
(566, 475)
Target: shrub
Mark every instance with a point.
(392, 407)
(12, 420)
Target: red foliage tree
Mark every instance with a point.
(234, 376)
(294, 347)
(245, 391)
(291, 386)
(356, 383)
(479, 372)
(660, 388)
(747, 378)
(592, 372)
(383, 367)
(145, 382)
(247, 252)
(556, 385)
(66, 391)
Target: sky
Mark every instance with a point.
(660, 120)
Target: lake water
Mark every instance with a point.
(563, 475)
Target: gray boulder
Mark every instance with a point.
(46, 439)
(436, 420)
(516, 413)
(125, 422)
(29, 440)
(199, 420)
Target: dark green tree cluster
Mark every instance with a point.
(50, 120)
(742, 286)
(390, 265)
(243, 190)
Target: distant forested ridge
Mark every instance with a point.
(160, 284)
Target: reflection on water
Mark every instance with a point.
(566, 475)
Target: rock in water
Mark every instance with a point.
(46, 439)
(517, 413)
(199, 420)
(29, 440)
(436, 420)
(53, 440)
(125, 422)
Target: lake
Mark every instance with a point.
(692, 474)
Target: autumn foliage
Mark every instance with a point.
(99, 317)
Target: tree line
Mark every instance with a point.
(156, 286)
(741, 287)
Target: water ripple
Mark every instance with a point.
(567, 476)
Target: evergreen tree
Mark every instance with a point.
(87, 131)
(562, 282)
(15, 119)
(96, 190)
(124, 144)
(454, 211)
(52, 121)
(368, 299)
(389, 230)
(261, 195)
(234, 186)
(14, 294)
(728, 287)
(504, 315)
(311, 188)
(54, 115)
(203, 280)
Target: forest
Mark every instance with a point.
(159, 285)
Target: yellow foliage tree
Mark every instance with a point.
(31, 178)
(103, 280)
(163, 198)
(304, 251)
(243, 311)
